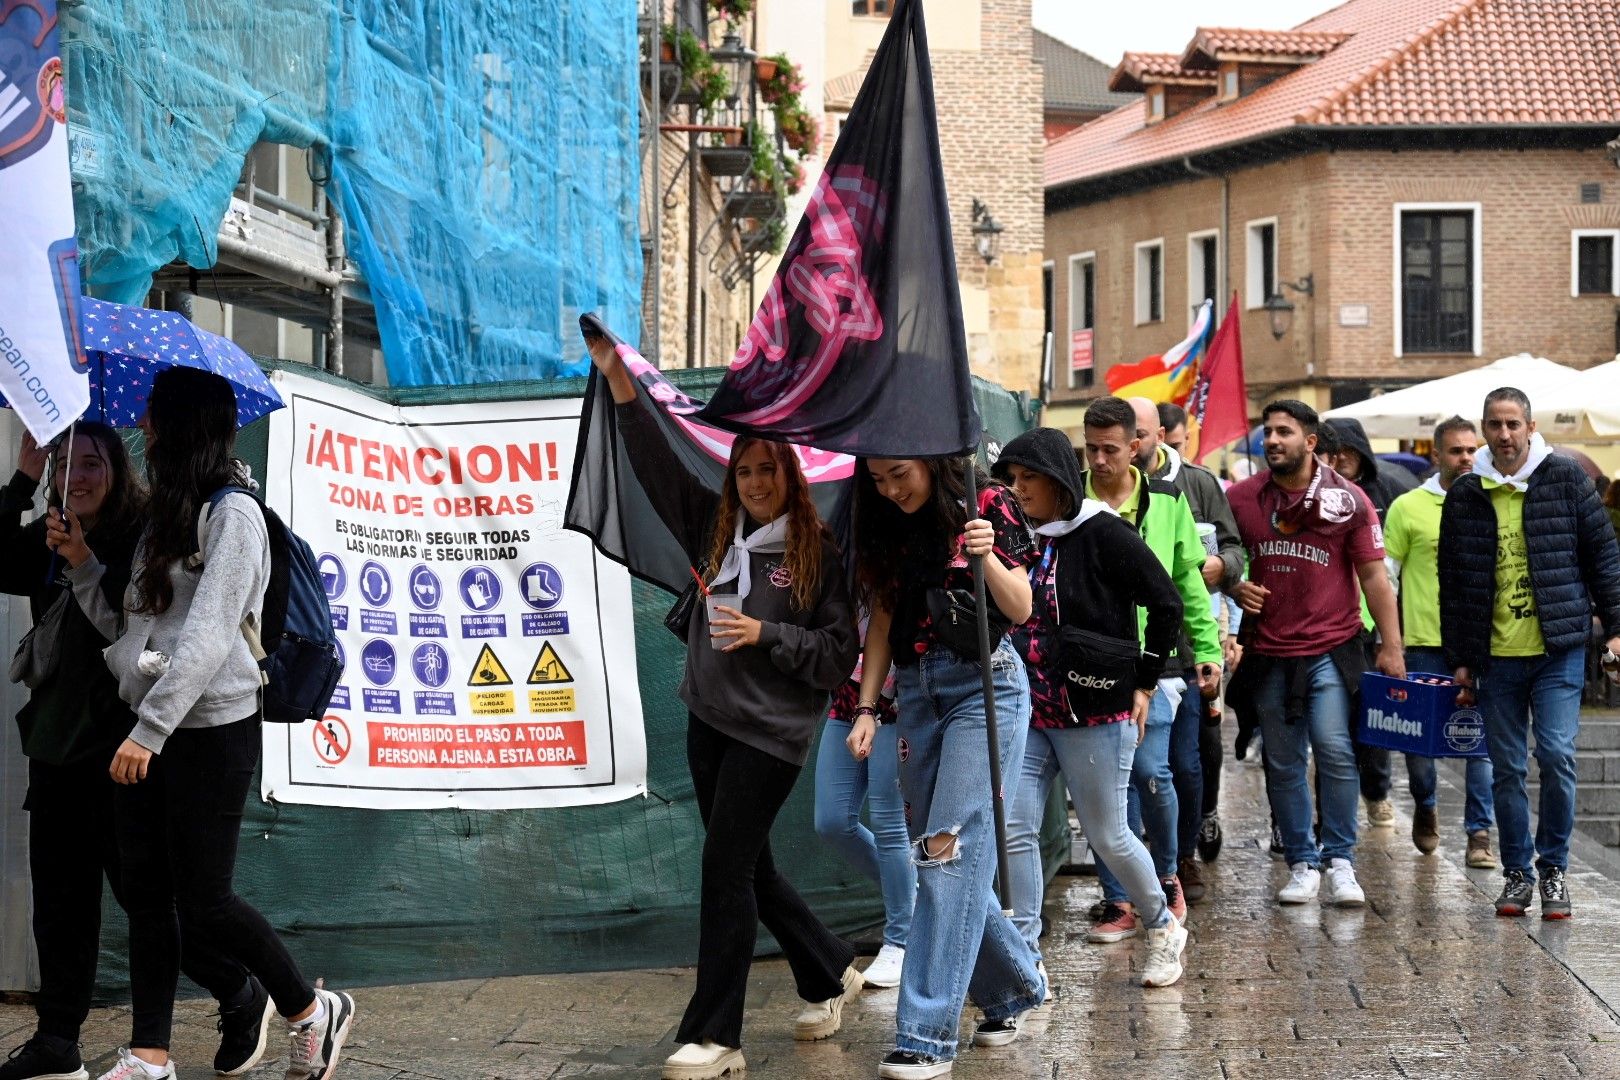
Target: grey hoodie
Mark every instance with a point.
(212, 679)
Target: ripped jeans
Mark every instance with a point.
(960, 943)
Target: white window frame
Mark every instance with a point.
(1144, 301)
(1155, 104)
(1255, 291)
(1075, 262)
(1575, 236)
(1478, 261)
(1230, 82)
(1195, 271)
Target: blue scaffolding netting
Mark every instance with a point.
(483, 154)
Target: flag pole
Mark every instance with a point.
(997, 788)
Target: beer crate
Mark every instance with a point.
(1419, 715)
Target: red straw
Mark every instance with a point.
(704, 589)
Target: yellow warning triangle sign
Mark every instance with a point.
(487, 671)
(548, 667)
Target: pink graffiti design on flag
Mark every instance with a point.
(817, 464)
(823, 276)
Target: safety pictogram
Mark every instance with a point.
(548, 667)
(331, 737)
(488, 670)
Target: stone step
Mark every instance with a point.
(1605, 829)
(1590, 799)
(1598, 733)
(1591, 767)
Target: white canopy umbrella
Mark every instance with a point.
(1586, 407)
(1413, 412)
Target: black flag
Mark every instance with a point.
(606, 501)
(858, 346)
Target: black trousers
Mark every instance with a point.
(71, 849)
(177, 837)
(740, 790)
(1210, 753)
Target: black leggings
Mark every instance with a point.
(177, 837)
(71, 848)
(739, 792)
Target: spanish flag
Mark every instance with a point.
(1168, 377)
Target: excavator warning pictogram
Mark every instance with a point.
(487, 671)
(548, 667)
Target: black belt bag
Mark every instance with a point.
(956, 621)
(1099, 671)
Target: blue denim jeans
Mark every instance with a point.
(1096, 766)
(1513, 689)
(1325, 730)
(1153, 801)
(960, 942)
(1420, 772)
(882, 852)
(1187, 764)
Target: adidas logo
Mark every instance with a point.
(1092, 682)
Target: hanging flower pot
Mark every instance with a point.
(765, 69)
(666, 51)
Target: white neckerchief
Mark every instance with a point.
(767, 540)
(1485, 464)
(1089, 508)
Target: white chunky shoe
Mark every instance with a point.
(1304, 881)
(821, 1019)
(703, 1061)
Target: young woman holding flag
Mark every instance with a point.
(914, 538)
(759, 672)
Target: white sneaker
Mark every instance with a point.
(703, 1061)
(130, 1067)
(1304, 881)
(820, 1019)
(315, 1048)
(884, 970)
(1165, 945)
(1342, 888)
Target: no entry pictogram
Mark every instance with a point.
(331, 737)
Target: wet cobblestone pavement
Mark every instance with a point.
(1423, 982)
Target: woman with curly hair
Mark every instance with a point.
(759, 673)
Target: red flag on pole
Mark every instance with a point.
(1219, 401)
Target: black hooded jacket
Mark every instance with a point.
(1383, 483)
(1105, 570)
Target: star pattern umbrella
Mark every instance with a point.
(127, 346)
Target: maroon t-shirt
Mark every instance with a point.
(1310, 565)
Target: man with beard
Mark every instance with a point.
(1527, 542)
(1222, 569)
(1312, 538)
(1412, 545)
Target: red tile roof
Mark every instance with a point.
(1403, 63)
(1136, 69)
(1212, 43)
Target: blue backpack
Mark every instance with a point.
(294, 642)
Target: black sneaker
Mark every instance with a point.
(1209, 837)
(905, 1065)
(244, 1032)
(44, 1057)
(1554, 894)
(1517, 890)
(996, 1032)
(1277, 849)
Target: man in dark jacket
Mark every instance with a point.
(1354, 460)
(1526, 540)
(1223, 569)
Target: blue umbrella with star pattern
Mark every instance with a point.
(126, 347)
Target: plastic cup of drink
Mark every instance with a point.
(1206, 533)
(718, 600)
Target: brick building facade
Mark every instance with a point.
(1419, 218)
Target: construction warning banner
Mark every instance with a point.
(477, 635)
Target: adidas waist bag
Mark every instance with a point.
(1099, 671)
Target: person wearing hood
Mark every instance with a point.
(1097, 571)
(1412, 550)
(1527, 541)
(1353, 459)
